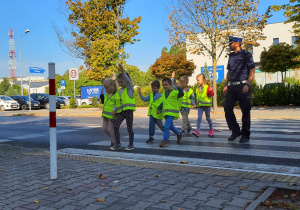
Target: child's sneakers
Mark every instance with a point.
(179, 138)
(189, 131)
(129, 147)
(164, 143)
(115, 147)
(196, 133)
(211, 132)
(150, 140)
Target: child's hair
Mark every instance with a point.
(121, 76)
(112, 84)
(167, 80)
(185, 78)
(155, 83)
(206, 81)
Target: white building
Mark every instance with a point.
(275, 33)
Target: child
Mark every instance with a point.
(186, 102)
(155, 100)
(125, 105)
(204, 94)
(170, 109)
(108, 107)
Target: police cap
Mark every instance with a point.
(234, 39)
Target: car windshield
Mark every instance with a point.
(6, 98)
(25, 97)
(43, 96)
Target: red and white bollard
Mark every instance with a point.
(52, 121)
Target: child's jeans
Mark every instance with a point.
(186, 125)
(169, 126)
(152, 122)
(108, 128)
(207, 114)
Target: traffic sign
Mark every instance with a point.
(36, 70)
(62, 84)
(73, 74)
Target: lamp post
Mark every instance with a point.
(27, 30)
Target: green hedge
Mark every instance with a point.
(260, 96)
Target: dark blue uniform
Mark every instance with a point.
(239, 65)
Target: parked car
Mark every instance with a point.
(85, 101)
(67, 99)
(7, 103)
(24, 102)
(269, 85)
(43, 98)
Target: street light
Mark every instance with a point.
(27, 30)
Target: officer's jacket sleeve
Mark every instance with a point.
(250, 63)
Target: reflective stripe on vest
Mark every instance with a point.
(152, 110)
(108, 106)
(202, 98)
(124, 102)
(185, 100)
(171, 105)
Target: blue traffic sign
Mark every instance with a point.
(62, 83)
(36, 70)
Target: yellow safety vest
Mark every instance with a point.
(152, 110)
(185, 101)
(124, 102)
(170, 104)
(108, 106)
(201, 98)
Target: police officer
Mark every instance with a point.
(239, 76)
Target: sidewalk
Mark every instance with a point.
(288, 112)
(25, 184)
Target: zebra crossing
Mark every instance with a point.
(274, 147)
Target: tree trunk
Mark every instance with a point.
(215, 102)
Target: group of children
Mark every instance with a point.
(119, 104)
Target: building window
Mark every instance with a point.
(294, 39)
(275, 41)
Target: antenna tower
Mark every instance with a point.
(12, 55)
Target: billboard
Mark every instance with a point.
(220, 72)
(91, 91)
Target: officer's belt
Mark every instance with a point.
(237, 83)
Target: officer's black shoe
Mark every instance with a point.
(233, 136)
(244, 139)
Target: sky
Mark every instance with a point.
(41, 46)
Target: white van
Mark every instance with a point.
(7, 103)
(85, 101)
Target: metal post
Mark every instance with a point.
(21, 68)
(52, 119)
(74, 88)
(29, 91)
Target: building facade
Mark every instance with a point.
(274, 33)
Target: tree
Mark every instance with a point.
(206, 72)
(203, 26)
(279, 57)
(174, 60)
(292, 13)
(4, 86)
(98, 34)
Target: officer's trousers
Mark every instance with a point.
(234, 93)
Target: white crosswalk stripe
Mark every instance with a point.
(276, 140)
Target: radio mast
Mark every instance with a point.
(12, 55)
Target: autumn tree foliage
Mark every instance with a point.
(174, 60)
(292, 13)
(203, 26)
(98, 33)
(279, 57)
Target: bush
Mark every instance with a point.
(95, 101)
(86, 106)
(72, 103)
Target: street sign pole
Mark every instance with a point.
(52, 122)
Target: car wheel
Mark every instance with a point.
(83, 103)
(47, 106)
(2, 108)
(23, 107)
